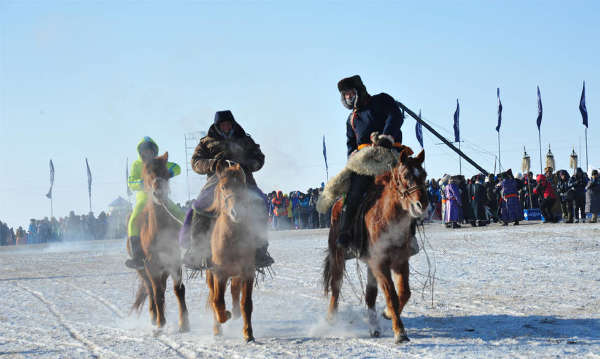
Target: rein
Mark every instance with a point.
(407, 191)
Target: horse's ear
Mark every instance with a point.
(165, 156)
(421, 156)
(403, 156)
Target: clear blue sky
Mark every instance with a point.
(89, 79)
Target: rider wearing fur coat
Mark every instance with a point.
(225, 143)
(370, 115)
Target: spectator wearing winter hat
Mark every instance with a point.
(592, 200)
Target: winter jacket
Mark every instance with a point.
(378, 113)
(134, 181)
(544, 187)
(238, 147)
(578, 182)
(592, 196)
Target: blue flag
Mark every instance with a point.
(456, 123)
(419, 131)
(582, 107)
(325, 156)
(499, 112)
(540, 110)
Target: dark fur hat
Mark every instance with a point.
(354, 82)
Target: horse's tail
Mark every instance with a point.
(140, 298)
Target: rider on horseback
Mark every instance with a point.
(374, 119)
(147, 150)
(225, 144)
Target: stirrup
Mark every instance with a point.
(134, 263)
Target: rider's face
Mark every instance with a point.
(349, 94)
(225, 126)
(147, 154)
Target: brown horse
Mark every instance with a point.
(158, 236)
(235, 237)
(390, 208)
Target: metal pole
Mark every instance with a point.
(540, 141)
(51, 207)
(459, 162)
(442, 138)
(499, 158)
(587, 166)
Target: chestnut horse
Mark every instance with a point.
(391, 206)
(158, 236)
(236, 234)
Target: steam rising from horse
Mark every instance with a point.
(158, 235)
(396, 199)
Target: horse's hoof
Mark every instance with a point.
(402, 339)
(156, 332)
(250, 339)
(331, 319)
(375, 333)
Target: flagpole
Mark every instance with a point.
(499, 162)
(51, 207)
(540, 142)
(586, 152)
(459, 161)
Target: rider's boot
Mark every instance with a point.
(137, 260)
(358, 184)
(198, 255)
(263, 258)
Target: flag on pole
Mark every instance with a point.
(325, 156)
(456, 123)
(582, 107)
(127, 177)
(419, 131)
(89, 176)
(540, 110)
(49, 194)
(499, 111)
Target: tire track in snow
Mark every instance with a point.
(96, 350)
(113, 308)
(167, 342)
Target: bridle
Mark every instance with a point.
(407, 191)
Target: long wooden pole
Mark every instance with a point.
(442, 138)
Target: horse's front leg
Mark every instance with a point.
(158, 280)
(210, 283)
(179, 288)
(236, 287)
(218, 298)
(401, 275)
(247, 286)
(149, 289)
(370, 299)
(384, 278)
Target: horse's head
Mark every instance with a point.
(231, 197)
(156, 178)
(408, 178)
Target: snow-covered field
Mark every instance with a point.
(531, 291)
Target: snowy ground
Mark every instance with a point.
(527, 291)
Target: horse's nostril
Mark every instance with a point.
(419, 205)
(233, 213)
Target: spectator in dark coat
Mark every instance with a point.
(592, 202)
(578, 181)
(478, 200)
(566, 193)
(492, 198)
(511, 210)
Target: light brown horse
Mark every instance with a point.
(158, 236)
(390, 208)
(234, 240)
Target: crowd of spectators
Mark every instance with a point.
(296, 210)
(481, 200)
(71, 228)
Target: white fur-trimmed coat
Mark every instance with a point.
(369, 161)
